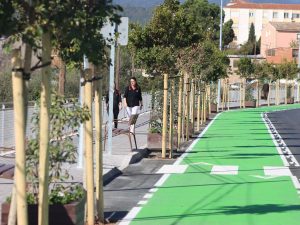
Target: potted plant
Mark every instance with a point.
(66, 200)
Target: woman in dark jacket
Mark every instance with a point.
(133, 98)
(117, 104)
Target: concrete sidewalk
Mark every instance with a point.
(113, 163)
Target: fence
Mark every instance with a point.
(7, 134)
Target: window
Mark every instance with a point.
(235, 63)
(295, 53)
(286, 15)
(275, 15)
(235, 38)
(271, 52)
(251, 14)
(295, 16)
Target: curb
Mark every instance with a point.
(135, 157)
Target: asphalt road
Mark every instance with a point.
(287, 124)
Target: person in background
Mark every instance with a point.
(117, 104)
(133, 98)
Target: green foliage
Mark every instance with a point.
(287, 70)
(65, 118)
(204, 61)
(245, 67)
(228, 33)
(251, 47)
(74, 26)
(158, 42)
(261, 70)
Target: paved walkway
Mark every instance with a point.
(232, 175)
(119, 159)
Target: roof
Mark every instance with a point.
(243, 4)
(286, 26)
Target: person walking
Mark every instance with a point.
(117, 104)
(133, 98)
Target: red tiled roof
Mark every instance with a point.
(243, 4)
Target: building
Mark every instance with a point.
(279, 41)
(243, 13)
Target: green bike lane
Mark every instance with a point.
(224, 182)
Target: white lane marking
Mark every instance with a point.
(296, 182)
(179, 160)
(134, 211)
(202, 163)
(148, 195)
(143, 202)
(172, 169)
(277, 171)
(161, 180)
(224, 170)
(282, 148)
(152, 190)
(264, 177)
(130, 216)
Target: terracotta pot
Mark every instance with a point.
(250, 104)
(69, 214)
(213, 107)
(290, 100)
(154, 141)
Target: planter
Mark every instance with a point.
(213, 107)
(154, 141)
(69, 214)
(250, 104)
(290, 100)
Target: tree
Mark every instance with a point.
(73, 29)
(158, 43)
(205, 18)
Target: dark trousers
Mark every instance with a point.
(116, 113)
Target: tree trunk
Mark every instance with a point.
(89, 161)
(43, 208)
(165, 115)
(179, 122)
(19, 125)
(171, 121)
(99, 149)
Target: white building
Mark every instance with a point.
(244, 13)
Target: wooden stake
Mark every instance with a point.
(286, 92)
(198, 108)
(192, 98)
(171, 121)
(269, 93)
(257, 87)
(179, 122)
(240, 88)
(187, 128)
(89, 159)
(43, 212)
(228, 95)
(165, 115)
(99, 149)
(19, 125)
